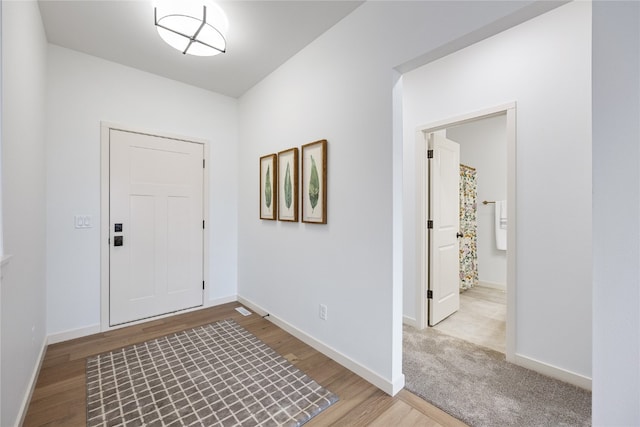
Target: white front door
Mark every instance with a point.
(156, 225)
(444, 212)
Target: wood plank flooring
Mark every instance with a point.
(59, 398)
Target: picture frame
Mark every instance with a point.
(288, 185)
(268, 186)
(314, 182)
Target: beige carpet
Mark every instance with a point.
(214, 375)
(478, 386)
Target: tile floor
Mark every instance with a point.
(481, 319)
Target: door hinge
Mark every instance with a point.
(203, 224)
(429, 294)
(429, 154)
(430, 223)
(203, 285)
(202, 163)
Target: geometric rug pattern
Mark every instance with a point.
(214, 375)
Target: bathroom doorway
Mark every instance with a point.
(483, 217)
(487, 274)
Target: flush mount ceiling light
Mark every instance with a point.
(196, 27)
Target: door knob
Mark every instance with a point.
(459, 234)
(117, 241)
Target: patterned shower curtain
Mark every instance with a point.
(468, 228)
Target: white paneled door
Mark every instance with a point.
(444, 212)
(156, 225)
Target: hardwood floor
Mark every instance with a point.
(59, 398)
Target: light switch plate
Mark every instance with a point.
(82, 221)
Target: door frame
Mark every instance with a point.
(421, 214)
(105, 128)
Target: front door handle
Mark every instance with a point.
(117, 240)
(459, 234)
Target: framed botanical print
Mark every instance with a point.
(268, 186)
(314, 182)
(288, 185)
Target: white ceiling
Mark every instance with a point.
(262, 35)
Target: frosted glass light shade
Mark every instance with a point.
(196, 27)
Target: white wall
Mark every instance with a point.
(616, 213)
(340, 88)
(23, 294)
(483, 145)
(1, 239)
(82, 92)
(358, 89)
(545, 66)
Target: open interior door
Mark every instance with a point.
(443, 294)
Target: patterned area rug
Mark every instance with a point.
(214, 375)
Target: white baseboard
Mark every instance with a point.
(95, 329)
(492, 285)
(32, 384)
(220, 301)
(410, 321)
(553, 371)
(396, 385)
(389, 387)
(74, 333)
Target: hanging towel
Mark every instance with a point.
(501, 224)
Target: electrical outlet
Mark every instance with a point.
(323, 312)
